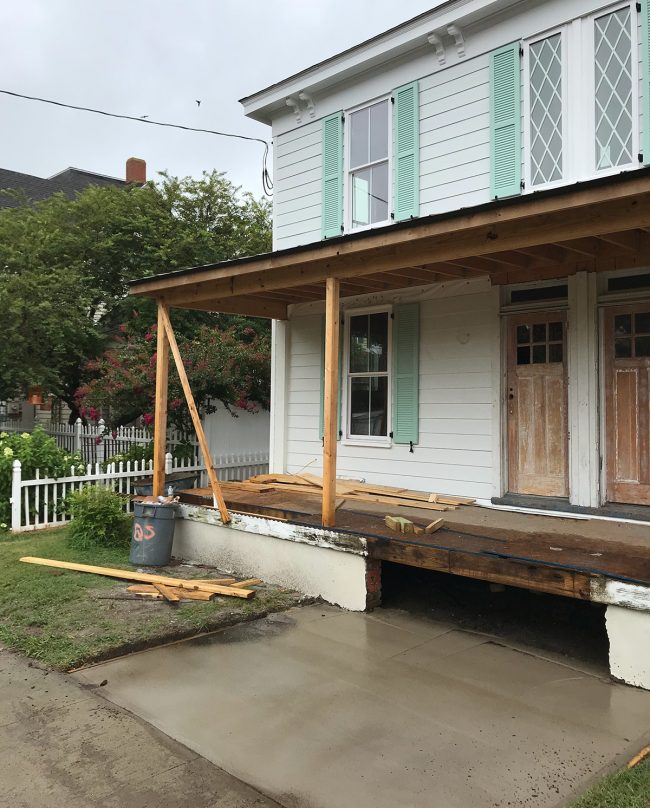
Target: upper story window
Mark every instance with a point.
(613, 82)
(580, 104)
(368, 169)
(546, 108)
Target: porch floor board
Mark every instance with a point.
(543, 553)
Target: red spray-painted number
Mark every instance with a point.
(143, 535)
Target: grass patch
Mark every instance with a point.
(629, 788)
(65, 618)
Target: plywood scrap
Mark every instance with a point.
(435, 525)
(143, 577)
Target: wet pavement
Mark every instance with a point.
(323, 708)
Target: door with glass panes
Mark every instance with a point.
(626, 346)
(537, 404)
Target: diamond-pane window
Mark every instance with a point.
(613, 77)
(546, 110)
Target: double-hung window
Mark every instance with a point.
(368, 169)
(368, 376)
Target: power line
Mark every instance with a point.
(267, 183)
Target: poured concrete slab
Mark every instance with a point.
(328, 709)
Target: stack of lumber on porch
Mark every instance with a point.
(347, 491)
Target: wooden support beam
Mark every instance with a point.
(194, 413)
(160, 411)
(581, 211)
(251, 306)
(330, 404)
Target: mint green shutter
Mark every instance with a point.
(645, 69)
(332, 216)
(321, 426)
(505, 121)
(406, 372)
(406, 152)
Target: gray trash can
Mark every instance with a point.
(153, 534)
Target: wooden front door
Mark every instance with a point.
(627, 402)
(537, 404)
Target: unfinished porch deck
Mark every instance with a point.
(556, 555)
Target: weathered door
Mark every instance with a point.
(626, 346)
(537, 404)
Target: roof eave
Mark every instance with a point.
(390, 44)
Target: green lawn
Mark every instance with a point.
(629, 788)
(65, 618)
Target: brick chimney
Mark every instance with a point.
(136, 170)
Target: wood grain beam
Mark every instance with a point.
(330, 403)
(194, 414)
(252, 306)
(160, 409)
(502, 236)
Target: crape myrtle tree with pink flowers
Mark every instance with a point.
(68, 324)
(227, 362)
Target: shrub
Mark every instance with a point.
(98, 518)
(35, 451)
(143, 452)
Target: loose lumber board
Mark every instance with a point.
(149, 590)
(168, 593)
(144, 577)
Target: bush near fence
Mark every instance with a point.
(33, 451)
(38, 502)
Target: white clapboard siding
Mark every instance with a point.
(459, 337)
(297, 174)
(455, 137)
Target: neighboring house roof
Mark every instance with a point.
(70, 181)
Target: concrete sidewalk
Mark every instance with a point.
(327, 709)
(61, 745)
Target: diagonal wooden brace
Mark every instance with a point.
(163, 313)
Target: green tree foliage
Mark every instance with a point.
(65, 264)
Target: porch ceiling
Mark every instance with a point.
(600, 225)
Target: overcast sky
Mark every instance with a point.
(155, 57)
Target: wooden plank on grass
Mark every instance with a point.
(247, 582)
(167, 593)
(144, 577)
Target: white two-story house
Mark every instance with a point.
(460, 295)
(518, 371)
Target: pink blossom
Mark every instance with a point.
(148, 336)
(175, 403)
(147, 418)
(98, 439)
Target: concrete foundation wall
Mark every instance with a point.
(338, 577)
(629, 645)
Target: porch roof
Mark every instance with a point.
(598, 225)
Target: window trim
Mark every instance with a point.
(567, 172)
(381, 441)
(347, 184)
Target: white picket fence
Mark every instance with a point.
(96, 443)
(37, 503)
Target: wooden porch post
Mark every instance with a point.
(160, 411)
(330, 403)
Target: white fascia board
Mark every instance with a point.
(409, 36)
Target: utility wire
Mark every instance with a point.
(267, 183)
